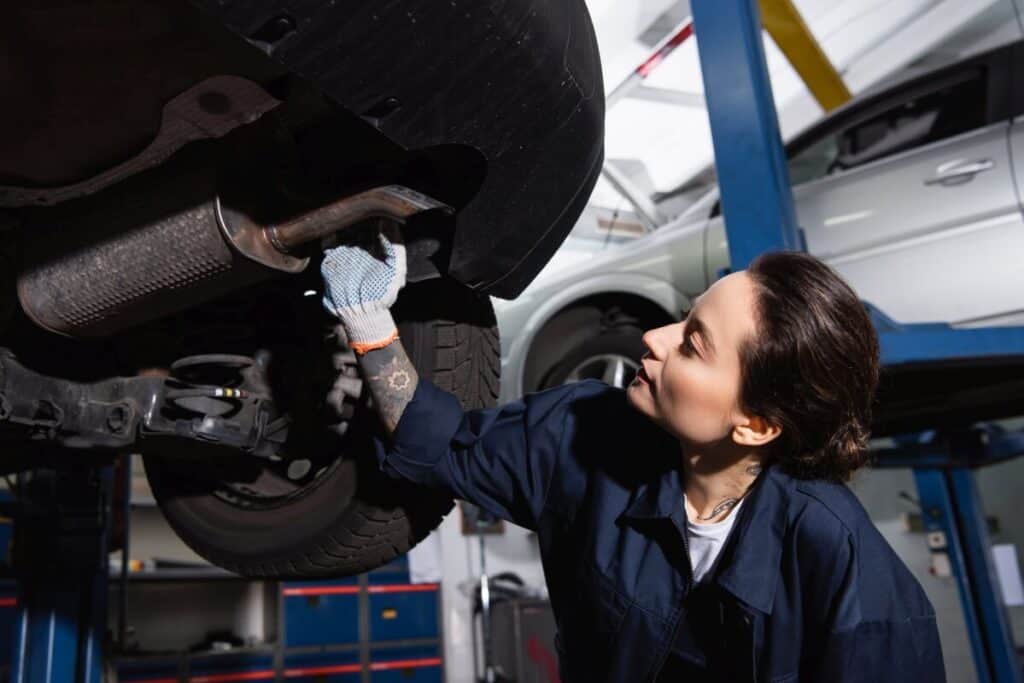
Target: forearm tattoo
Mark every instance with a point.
(392, 379)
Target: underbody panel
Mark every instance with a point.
(88, 89)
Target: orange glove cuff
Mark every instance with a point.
(363, 349)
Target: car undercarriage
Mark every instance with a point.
(169, 176)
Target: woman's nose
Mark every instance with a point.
(648, 340)
(654, 341)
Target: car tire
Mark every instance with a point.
(352, 518)
(610, 354)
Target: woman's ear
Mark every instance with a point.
(754, 430)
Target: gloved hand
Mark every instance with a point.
(361, 283)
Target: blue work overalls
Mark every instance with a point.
(806, 588)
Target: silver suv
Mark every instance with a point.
(911, 193)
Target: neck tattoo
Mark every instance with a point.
(724, 506)
(729, 503)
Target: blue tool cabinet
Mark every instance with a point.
(377, 627)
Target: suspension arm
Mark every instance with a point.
(115, 414)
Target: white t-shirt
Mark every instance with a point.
(706, 541)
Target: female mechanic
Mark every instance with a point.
(695, 526)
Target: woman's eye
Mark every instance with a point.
(687, 345)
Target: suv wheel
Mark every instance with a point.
(333, 512)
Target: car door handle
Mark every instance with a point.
(960, 172)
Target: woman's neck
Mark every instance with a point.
(716, 485)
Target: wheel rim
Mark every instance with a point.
(611, 368)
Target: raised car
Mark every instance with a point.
(912, 192)
(169, 173)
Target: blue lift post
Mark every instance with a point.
(60, 560)
(757, 202)
(753, 178)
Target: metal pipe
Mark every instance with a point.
(396, 202)
(150, 251)
(275, 245)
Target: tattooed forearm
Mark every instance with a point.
(392, 380)
(721, 508)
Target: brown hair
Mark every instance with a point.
(812, 366)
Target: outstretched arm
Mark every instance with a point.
(508, 460)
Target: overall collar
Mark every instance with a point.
(749, 568)
(661, 499)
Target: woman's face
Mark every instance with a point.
(690, 377)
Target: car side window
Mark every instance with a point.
(956, 108)
(814, 161)
(947, 111)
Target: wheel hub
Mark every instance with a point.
(611, 368)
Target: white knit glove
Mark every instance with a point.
(361, 282)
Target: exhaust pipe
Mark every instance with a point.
(136, 254)
(275, 245)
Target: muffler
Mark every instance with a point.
(143, 250)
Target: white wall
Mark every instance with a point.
(999, 487)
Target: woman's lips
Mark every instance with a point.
(642, 378)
